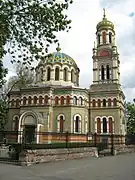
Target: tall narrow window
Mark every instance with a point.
(17, 103)
(104, 102)
(57, 73)
(24, 101)
(72, 75)
(102, 73)
(61, 100)
(98, 37)
(61, 124)
(107, 72)
(46, 100)
(93, 103)
(65, 74)
(35, 100)
(98, 125)
(99, 102)
(110, 37)
(40, 99)
(115, 102)
(77, 124)
(12, 102)
(104, 125)
(56, 100)
(80, 101)
(29, 100)
(109, 102)
(110, 125)
(67, 100)
(75, 100)
(104, 37)
(48, 74)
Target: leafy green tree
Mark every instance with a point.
(28, 27)
(3, 109)
(131, 118)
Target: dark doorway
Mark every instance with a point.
(30, 134)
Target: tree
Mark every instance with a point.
(24, 77)
(3, 109)
(28, 27)
(131, 118)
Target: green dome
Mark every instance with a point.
(59, 57)
(105, 23)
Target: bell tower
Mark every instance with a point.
(106, 96)
(105, 55)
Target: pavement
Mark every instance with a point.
(121, 167)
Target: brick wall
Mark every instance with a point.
(124, 149)
(30, 157)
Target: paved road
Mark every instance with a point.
(120, 167)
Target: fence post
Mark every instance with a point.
(95, 139)
(67, 139)
(112, 144)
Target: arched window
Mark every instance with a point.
(61, 124)
(99, 102)
(110, 37)
(65, 74)
(110, 125)
(102, 73)
(67, 100)
(107, 72)
(98, 37)
(76, 124)
(24, 100)
(40, 99)
(72, 75)
(48, 74)
(57, 74)
(104, 37)
(35, 100)
(12, 102)
(42, 73)
(29, 100)
(109, 102)
(80, 101)
(75, 100)
(104, 102)
(98, 125)
(104, 125)
(56, 100)
(93, 103)
(114, 102)
(46, 100)
(17, 103)
(61, 100)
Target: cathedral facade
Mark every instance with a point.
(56, 103)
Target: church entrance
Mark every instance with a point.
(30, 134)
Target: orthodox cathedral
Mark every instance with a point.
(56, 103)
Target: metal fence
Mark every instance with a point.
(92, 139)
(15, 141)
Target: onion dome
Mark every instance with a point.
(59, 57)
(105, 23)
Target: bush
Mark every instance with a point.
(57, 145)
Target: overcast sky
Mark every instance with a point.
(78, 43)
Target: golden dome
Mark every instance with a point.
(105, 23)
